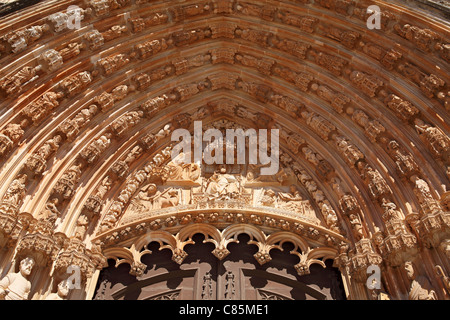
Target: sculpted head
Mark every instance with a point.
(409, 269)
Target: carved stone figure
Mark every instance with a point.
(368, 84)
(126, 122)
(71, 127)
(180, 170)
(95, 149)
(401, 107)
(81, 228)
(75, 84)
(319, 124)
(377, 185)
(16, 286)
(351, 153)
(390, 210)
(406, 165)
(14, 84)
(50, 211)
(11, 135)
(19, 40)
(16, 192)
(420, 286)
(38, 109)
(150, 198)
(222, 186)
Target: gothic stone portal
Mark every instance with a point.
(203, 276)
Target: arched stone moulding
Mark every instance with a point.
(344, 95)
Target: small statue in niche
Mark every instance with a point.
(16, 286)
(420, 285)
(62, 291)
(268, 198)
(150, 198)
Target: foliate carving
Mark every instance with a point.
(41, 242)
(361, 257)
(41, 107)
(76, 254)
(37, 161)
(223, 29)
